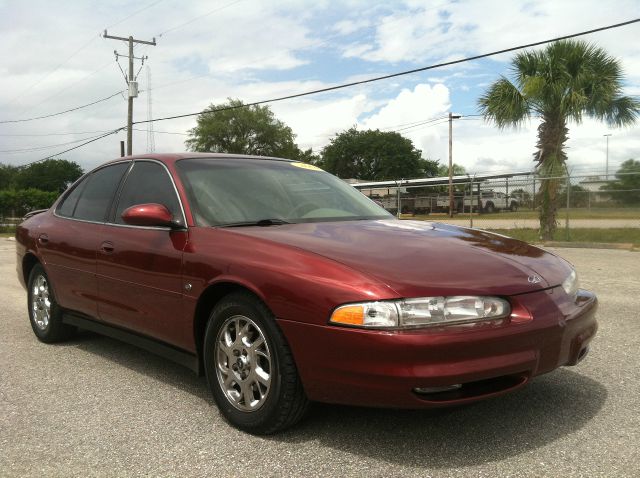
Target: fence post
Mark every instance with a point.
(470, 202)
(399, 201)
(566, 223)
(506, 185)
(533, 198)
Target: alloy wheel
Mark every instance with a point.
(40, 302)
(243, 363)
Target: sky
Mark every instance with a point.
(54, 59)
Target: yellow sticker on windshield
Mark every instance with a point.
(306, 166)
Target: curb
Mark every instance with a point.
(622, 246)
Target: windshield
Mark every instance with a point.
(244, 191)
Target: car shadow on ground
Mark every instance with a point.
(547, 409)
(141, 361)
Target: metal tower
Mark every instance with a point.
(151, 143)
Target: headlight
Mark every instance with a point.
(421, 312)
(571, 284)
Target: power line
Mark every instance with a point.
(40, 148)
(188, 22)
(385, 23)
(69, 86)
(413, 123)
(35, 83)
(65, 111)
(53, 134)
(394, 75)
(75, 147)
(346, 85)
(162, 132)
(84, 46)
(134, 13)
(206, 14)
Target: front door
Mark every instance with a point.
(139, 269)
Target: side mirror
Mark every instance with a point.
(149, 215)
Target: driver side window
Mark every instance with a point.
(148, 182)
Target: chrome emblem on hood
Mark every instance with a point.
(534, 279)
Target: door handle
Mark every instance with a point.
(107, 247)
(43, 239)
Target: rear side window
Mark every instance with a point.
(96, 196)
(68, 204)
(149, 182)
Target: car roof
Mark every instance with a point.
(173, 157)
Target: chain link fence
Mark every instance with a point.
(586, 201)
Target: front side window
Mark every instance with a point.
(91, 199)
(237, 191)
(149, 182)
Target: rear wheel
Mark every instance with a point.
(249, 367)
(513, 206)
(44, 313)
(489, 208)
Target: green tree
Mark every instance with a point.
(51, 175)
(458, 170)
(375, 155)
(7, 176)
(578, 196)
(18, 202)
(563, 82)
(626, 187)
(243, 130)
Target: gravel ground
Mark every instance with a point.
(97, 407)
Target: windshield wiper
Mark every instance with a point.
(261, 223)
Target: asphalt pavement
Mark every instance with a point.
(98, 407)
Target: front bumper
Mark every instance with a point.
(384, 368)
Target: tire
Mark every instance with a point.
(489, 208)
(255, 384)
(514, 206)
(45, 314)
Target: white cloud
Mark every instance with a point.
(423, 103)
(346, 27)
(423, 31)
(254, 50)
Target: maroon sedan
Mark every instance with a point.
(283, 285)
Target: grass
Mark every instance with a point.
(628, 235)
(578, 213)
(6, 231)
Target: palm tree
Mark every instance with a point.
(561, 83)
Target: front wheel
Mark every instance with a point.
(249, 367)
(44, 313)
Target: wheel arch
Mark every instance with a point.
(28, 262)
(206, 302)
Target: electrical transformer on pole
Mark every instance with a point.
(131, 81)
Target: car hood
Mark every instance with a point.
(417, 258)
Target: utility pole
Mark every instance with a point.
(606, 170)
(133, 85)
(451, 118)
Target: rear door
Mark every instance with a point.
(68, 246)
(140, 268)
